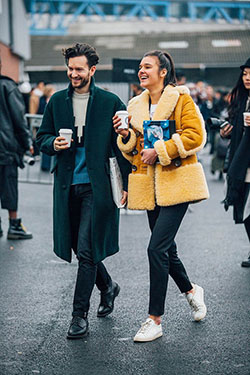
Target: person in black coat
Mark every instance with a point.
(85, 217)
(15, 140)
(238, 175)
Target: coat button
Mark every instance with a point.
(137, 134)
(135, 152)
(134, 168)
(64, 187)
(68, 168)
(177, 162)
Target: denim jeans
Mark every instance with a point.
(164, 223)
(89, 274)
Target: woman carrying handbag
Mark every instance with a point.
(164, 180)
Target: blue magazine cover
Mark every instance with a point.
(157, 130)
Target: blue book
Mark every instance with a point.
(157, 130)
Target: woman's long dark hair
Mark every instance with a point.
(238, 94)
(165, 62)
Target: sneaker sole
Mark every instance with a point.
(116, 294)
(148, 340)
(201, 317)
(17, 237)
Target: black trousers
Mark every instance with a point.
(8, 187)
(164, 223)
(89, 274)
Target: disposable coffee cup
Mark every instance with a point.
(245, 114)
(67, 134)
(123, 115)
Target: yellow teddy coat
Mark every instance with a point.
(166, 183)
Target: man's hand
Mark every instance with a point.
(117, 122)
(60, 143)
(149, 156)
(124, 197)
(226, 131)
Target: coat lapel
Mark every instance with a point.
(139, 106)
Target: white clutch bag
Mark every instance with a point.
(116, 181)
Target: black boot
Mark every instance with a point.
(1, 231)
(246, 263)
(17, 231)
(107, 300)
(79, 327)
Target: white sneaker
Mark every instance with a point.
(196, 301)
(149, 331)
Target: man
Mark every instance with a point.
(85, 216)
(15, 139)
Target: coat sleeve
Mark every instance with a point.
(46, 133)
(17, 112)
(191, 139)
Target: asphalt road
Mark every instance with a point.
(37, 290)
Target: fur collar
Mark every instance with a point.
(138, 107)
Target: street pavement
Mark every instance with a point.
(37, 289)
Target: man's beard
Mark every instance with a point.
(84, 82)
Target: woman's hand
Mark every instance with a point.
(124, 197)
(226, 131)
(117, 122)
(149, 156)
(60, 143)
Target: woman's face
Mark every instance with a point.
(149, 74)
(246, 78)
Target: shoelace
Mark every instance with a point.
(196, 305)
(144, 326)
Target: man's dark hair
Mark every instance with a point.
(81, 50)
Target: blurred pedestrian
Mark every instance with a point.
(25, 89)
(48, 91)
(15, 139)
(85, 216)
(136, 89)
(164, 180)
(238, 175)
(181, 78)
(208, 109)
(35, 96)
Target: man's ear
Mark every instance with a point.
(92, 70)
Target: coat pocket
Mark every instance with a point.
(141, 194)
(183, 184)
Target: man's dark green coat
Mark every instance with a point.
(99, 140)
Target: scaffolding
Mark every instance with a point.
(53, 17)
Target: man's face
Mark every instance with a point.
(79, 72)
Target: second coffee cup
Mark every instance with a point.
(245, 114)
(123, 115)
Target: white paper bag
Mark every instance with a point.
(116, 182)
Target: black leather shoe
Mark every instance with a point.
(246, 263)
(79, 328)
(107, 300)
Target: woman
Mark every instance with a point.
(164, 179)
(238, 175)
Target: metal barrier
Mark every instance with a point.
(33, 172)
